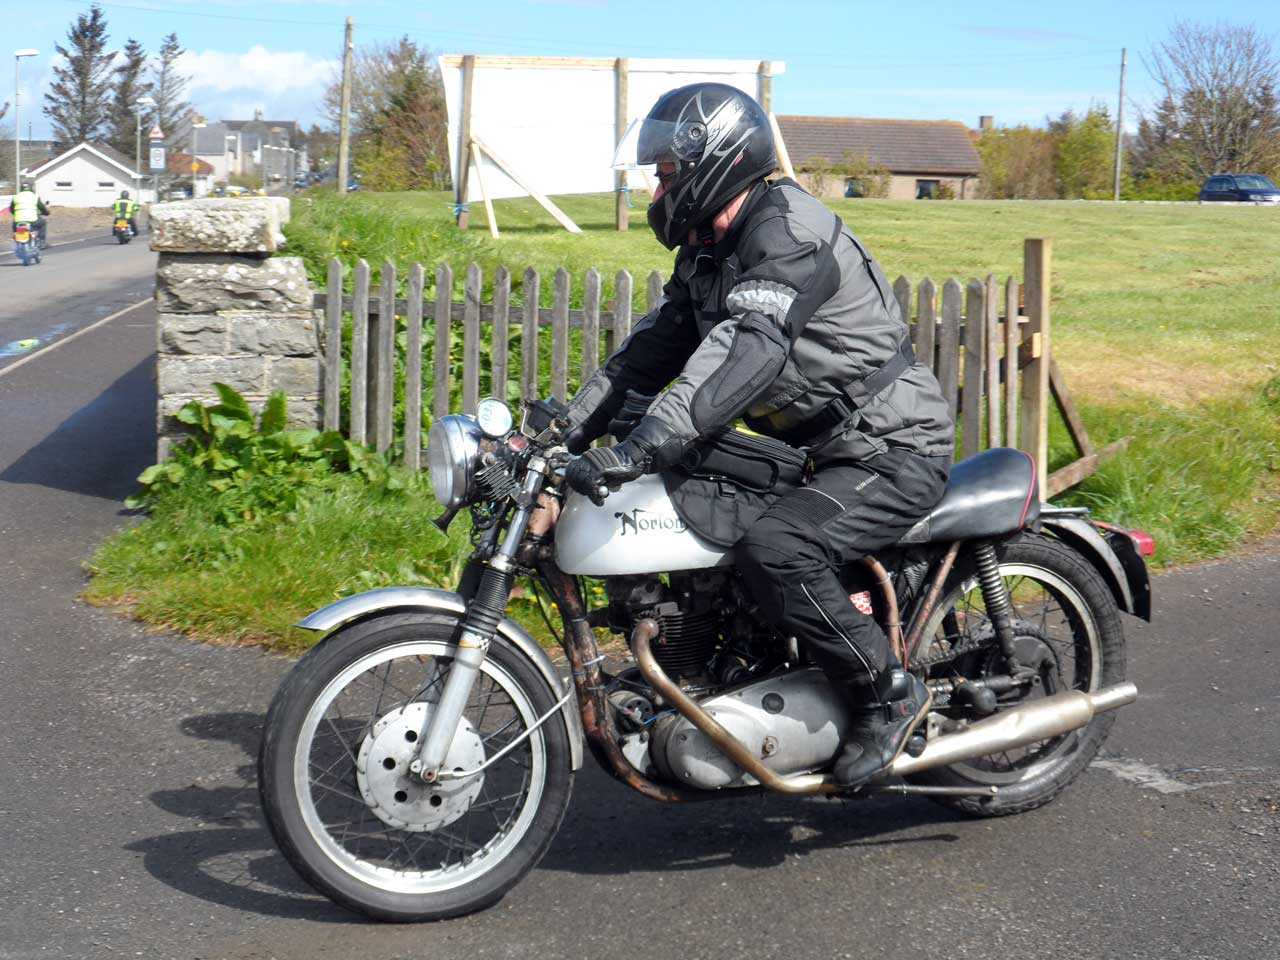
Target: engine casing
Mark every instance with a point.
(637, 530)
(795, 722)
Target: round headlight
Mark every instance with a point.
(453, 444)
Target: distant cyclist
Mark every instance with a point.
(126, 209)
(26, 207)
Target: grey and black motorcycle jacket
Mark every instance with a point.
(783, 322)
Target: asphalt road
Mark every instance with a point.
(129, 823)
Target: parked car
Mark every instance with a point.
(1240, 187)
(235, 190)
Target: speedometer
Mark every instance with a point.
(494, 417)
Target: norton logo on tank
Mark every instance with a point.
(642, 521)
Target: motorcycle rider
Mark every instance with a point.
(26, 207)
(776, 312)
(126, 209)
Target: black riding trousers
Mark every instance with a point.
(790, 558)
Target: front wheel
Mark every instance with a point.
(351, 818)
(1065, 618)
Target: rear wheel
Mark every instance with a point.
(358, 825)
(1063, 615)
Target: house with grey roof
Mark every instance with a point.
(247, 148)
(923, 159)
(87, 175)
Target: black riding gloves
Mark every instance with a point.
(601, 470)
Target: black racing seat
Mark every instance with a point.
(989, 494)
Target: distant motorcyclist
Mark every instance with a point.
(26, 207)
(126, 209)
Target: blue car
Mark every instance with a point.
(1240, 187)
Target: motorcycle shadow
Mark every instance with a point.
(229, 857)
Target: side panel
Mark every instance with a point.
(328, 618)
(636, 531)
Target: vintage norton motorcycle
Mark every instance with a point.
(418, 760)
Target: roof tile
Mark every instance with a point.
(902, 146)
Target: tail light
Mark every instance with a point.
(22, 234)
(1143, 542)
(121, 224)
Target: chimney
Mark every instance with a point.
(986, 122)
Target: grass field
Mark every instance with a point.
(1166, 321)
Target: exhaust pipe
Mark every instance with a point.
(1017, 727)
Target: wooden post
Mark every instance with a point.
(484, 194)
(359, 351)
(780, 148)
(926, 323)
(948, 368)
(464, 138)
(333, 348)
(902, 293)
(621, 213)
(384, 365)
(440, 350)
(560, 335)
(992, 338)
(971, 391)
(344, 114)
(621, 312)
(590, 323)
(1036, 265)
(529, 337)
(1011, 336)
(764, 84)
(471, 340)
(413, 370)
(501, 333)
(652, 291)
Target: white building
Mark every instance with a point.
(87, 175)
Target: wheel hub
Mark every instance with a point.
(399, 798)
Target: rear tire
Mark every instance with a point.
(1060, 602)
(352, 820)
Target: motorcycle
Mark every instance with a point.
(26, 247)
(418, 760)
(122, 231)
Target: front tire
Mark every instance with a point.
(1062, 605)
(351, 818)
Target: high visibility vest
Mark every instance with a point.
(124, 209)
(26, 207)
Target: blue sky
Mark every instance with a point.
(1016, 61)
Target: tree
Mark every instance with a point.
(322, 147)
(1218, 112)
(129, 87)
(1084, 153)
(79, 99)
(397, 117)
(1017, 163)
(169, 85)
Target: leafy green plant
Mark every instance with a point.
(256, 468)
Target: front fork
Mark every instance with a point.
(484, 613)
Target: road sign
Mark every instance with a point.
(157, 157)
(155, 133)
(195, 166)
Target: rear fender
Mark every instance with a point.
(1113, 556)
(360, 605)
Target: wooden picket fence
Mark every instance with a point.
(964, 334)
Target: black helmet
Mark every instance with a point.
(124, 194)
(721, 142)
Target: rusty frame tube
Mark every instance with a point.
(589, 683)
(891, 604)
(645, 631)
(914, 636)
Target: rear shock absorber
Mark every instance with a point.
(995, 595)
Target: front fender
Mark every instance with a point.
(334, 615)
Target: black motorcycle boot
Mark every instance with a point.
(880, 731)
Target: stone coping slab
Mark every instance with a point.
(219, 225)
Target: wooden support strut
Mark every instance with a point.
(510, 171)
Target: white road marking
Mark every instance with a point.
(57, 343)
(1151, 778)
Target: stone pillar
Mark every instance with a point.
(230, 312)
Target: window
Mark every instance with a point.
(1218, 183)
(62, 184)
(927, 189)
(106, 184)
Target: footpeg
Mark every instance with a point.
(915, 746)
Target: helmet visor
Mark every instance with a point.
(648, 142)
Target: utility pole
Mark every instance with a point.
(1120, 126)
(344, 117)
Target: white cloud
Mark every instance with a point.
(268, 72)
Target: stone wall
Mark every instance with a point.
(230, 312)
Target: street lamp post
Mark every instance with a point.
(197, 123)
(137, 138)
(17, 120)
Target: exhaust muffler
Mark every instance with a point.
(1017, 727)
